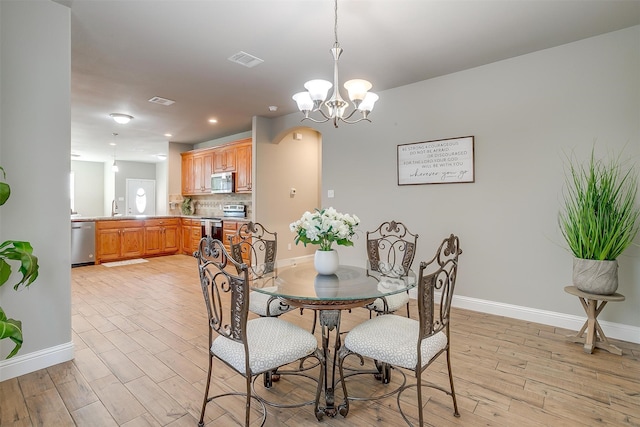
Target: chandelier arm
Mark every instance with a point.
(316, 121)
(355, 121)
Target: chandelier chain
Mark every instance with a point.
(335, 22)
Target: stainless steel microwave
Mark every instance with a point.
(222, 182)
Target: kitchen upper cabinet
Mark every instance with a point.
(161, 236)
(188, 181)
(224, 159)
(197, 167)
(203, 168)
(243, 167)
(119, 239)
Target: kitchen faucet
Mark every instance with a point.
(114, 206)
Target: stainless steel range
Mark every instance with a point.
(234, 211)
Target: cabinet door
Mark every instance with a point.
(187, 174)
(152, 240)
(207, 170)
(186, 237)
(132, 242)
(196, 235)
(243, 168)
(198, 171)
(170, 239)
(224, 159)
(107, 245)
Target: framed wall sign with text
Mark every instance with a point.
(442, 161)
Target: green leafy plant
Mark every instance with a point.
(13, 250)
(187, 206)
(599, 217)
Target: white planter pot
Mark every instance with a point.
(594, 276)
(326, 262)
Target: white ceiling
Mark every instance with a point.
(126, 52)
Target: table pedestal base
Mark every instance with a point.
(591, 334)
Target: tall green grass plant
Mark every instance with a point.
(599, 219)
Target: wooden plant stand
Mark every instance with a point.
(595, 337)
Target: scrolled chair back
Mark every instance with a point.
(255, 243)
(216, 280)
(391, 249)
(442, 280)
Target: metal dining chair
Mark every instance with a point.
(391, 249)
(407, 343)
(258, 247)
(250, 347)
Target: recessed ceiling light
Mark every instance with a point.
(112, 144)
(273, 108)
(161, 156)
(168, 135)
(121, 118)
(213, 120)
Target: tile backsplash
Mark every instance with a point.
(210, 205)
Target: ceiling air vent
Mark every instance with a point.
(243, 58)
(161, 101)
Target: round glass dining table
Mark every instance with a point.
(301, 286)
(350, 287)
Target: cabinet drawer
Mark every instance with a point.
(160, 222)
(119, 223)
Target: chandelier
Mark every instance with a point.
(335, 108)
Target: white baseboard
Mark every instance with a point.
(24, 364)
(561, 320)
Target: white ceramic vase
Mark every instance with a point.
(326, 262)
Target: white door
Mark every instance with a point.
(141, 197)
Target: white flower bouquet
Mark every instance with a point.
(323, 227)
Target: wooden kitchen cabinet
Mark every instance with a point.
(203, 168)
(191, 235)
(119, 239)
(229, 229)
(188, 180)
(224, 159)
(161, 236)
(198, 165)
(243, 167)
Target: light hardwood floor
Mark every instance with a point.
(140, 339)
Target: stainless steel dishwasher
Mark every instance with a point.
(83, 243)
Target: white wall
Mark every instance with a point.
(35, 53)
(525, 113)
(89, 187)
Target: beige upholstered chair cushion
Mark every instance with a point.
(393, 339)
(272, 343)
(395, 301)
(258, 304)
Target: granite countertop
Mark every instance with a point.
(142, 217)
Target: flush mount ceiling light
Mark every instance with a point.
(121, 118)
(314, 98)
